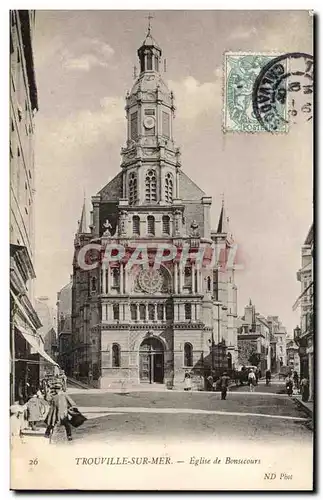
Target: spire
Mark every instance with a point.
(223, 220)
(82, 223)
(223, 225)
(149, 17)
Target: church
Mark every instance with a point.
(148, 325)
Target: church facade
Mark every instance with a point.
(148, 324)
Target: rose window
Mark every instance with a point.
(150, 280)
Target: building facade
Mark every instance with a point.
(64, 327)
(25, 342)
(292, 355)
(48, 332)
(305, 334)
(146, 324)
(278, 334)
(254, 340)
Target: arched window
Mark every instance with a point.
(133, 312)
(115, 311)
(151, 186)
(166, 224)
(136, 225)
(151, 225)
(169, 188)
(188, 311)
(142, 312)
(116, 355)
(115, 278)
(208, 284)
(160, 312)
(188, 354)
(187, 278)
(149, 61)
(132, 187)
(151, 312)
(134, 125)
(169, 311)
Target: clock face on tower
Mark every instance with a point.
(149, 122)
(150, 280)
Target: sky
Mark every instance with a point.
(84, 66)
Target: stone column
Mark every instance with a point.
(137, 306)
(181, 312)
(155, 314)
(198, 280)
(108, 277)
(127, 311)
(193, 277)
(104, 278)
(177, 183)
(104, 312)
(126, 280)
(96, 215)
(121, 277)
(176, 277)
(146, 312)
(180, 278)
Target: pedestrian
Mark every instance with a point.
(63, 380)
(210, 383)
(187, 381)
(305, 390)
(268, 377)
(296, 379)
(37, 409)
(17, 418)
(58, 412)
(289, 385)
(225, 379)
(252, 380)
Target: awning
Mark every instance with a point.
(32, 341)
(297, 303)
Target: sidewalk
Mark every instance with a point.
(307, 406)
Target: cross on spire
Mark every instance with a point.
(149, 17)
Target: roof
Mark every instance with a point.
(309, 237)
(82, 228)
(149, 41)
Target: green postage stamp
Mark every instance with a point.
(241, 70)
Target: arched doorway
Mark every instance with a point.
(151, 361)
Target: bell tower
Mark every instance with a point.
(150, 160)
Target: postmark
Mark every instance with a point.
(283, 92)
(241, 70)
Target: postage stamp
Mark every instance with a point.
(241, 70)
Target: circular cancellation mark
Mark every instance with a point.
(283, 92)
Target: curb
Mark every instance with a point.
(300, 403)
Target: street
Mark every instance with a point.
(263, 415)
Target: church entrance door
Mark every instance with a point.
(151, 366)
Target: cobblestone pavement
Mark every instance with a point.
(199, 415)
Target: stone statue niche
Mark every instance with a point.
(107, 228)
(194, 232)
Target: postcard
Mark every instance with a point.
(161, 250)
